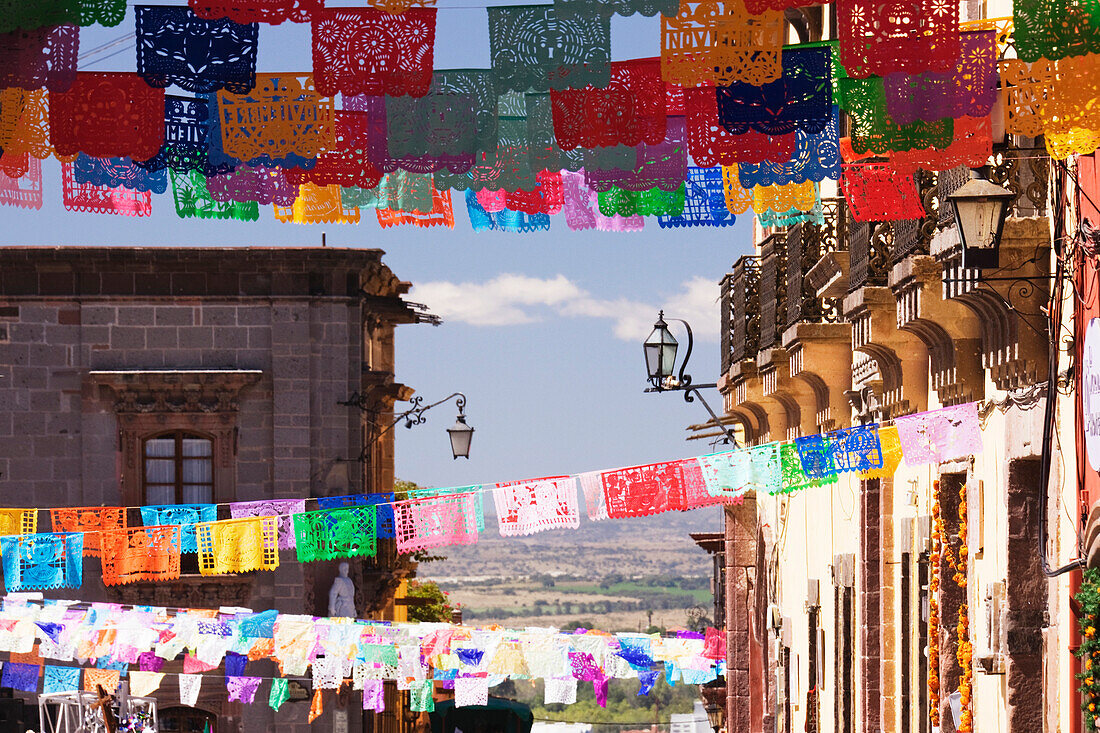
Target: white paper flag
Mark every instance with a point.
(561, 690)
(189, 689)
(142, 684)
(471, 691)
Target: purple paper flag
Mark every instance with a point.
(20, 676)
(374, 697)
(284, 509)
(150, 662)
(599, 686)
(242, 689)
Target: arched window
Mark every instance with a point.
(178, 468)
(186, 720)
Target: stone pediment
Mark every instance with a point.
(171, 390)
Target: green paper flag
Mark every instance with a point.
(280, 692)
(330, 534)
(654, 202)
(872, 128)
(794, 479)
(193, 200)
(400, 191)
(420, 697)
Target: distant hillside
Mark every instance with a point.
(616, 575)
(655, 545)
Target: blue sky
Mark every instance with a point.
(541, 331)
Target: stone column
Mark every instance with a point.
(870, 605)
(1027, 600)
(744, 683)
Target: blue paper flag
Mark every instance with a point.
(184, 515)
(235, 664)
(20, 676)
(382, 501)
(43, 561)
(647, 678)
(258, 625)
(175, 46)
(61, 679)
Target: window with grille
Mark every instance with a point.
(178, 468)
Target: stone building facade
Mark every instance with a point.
(132, 376)
(828, 592)
(844, 606)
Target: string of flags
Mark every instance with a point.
(111, 642)
(726, 118)
(350, 526)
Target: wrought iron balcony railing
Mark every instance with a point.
(911, 236)
(773, 288)
(806, 245)
(741, 312)
(869, 244)
(1023, 170)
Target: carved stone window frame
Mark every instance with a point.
(150, 402)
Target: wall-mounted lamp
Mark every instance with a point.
(460, 433)
(660, 360)
(981, 208)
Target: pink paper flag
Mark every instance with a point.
(471, 691)
(242, 689)
(436, 521)
(940, 435)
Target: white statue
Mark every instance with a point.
(341, 597)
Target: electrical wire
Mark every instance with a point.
(106, 44)
(1054, 316)
(110, 55)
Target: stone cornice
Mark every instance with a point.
(181, 391)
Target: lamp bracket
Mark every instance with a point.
(412, 416)
(682, 383)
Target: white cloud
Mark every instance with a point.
(511, 299)
(498, 302)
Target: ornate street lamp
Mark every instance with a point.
(660, 352)
(460, 436)
(714, 699)
(660, 359)
(981, 208)
(714, 715)
(460, 433)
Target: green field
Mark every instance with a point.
(574, 598)
(637, 588)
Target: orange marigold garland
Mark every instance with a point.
(934, 611)
(964, 651)
(1088, 599)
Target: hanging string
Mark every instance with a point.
(90, 605)
(436, 492)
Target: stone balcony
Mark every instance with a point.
(886, 305)
(743, 400)
(766, 383)
(949, 330)
(892, 362)
(898, 369)
(1008, 300)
